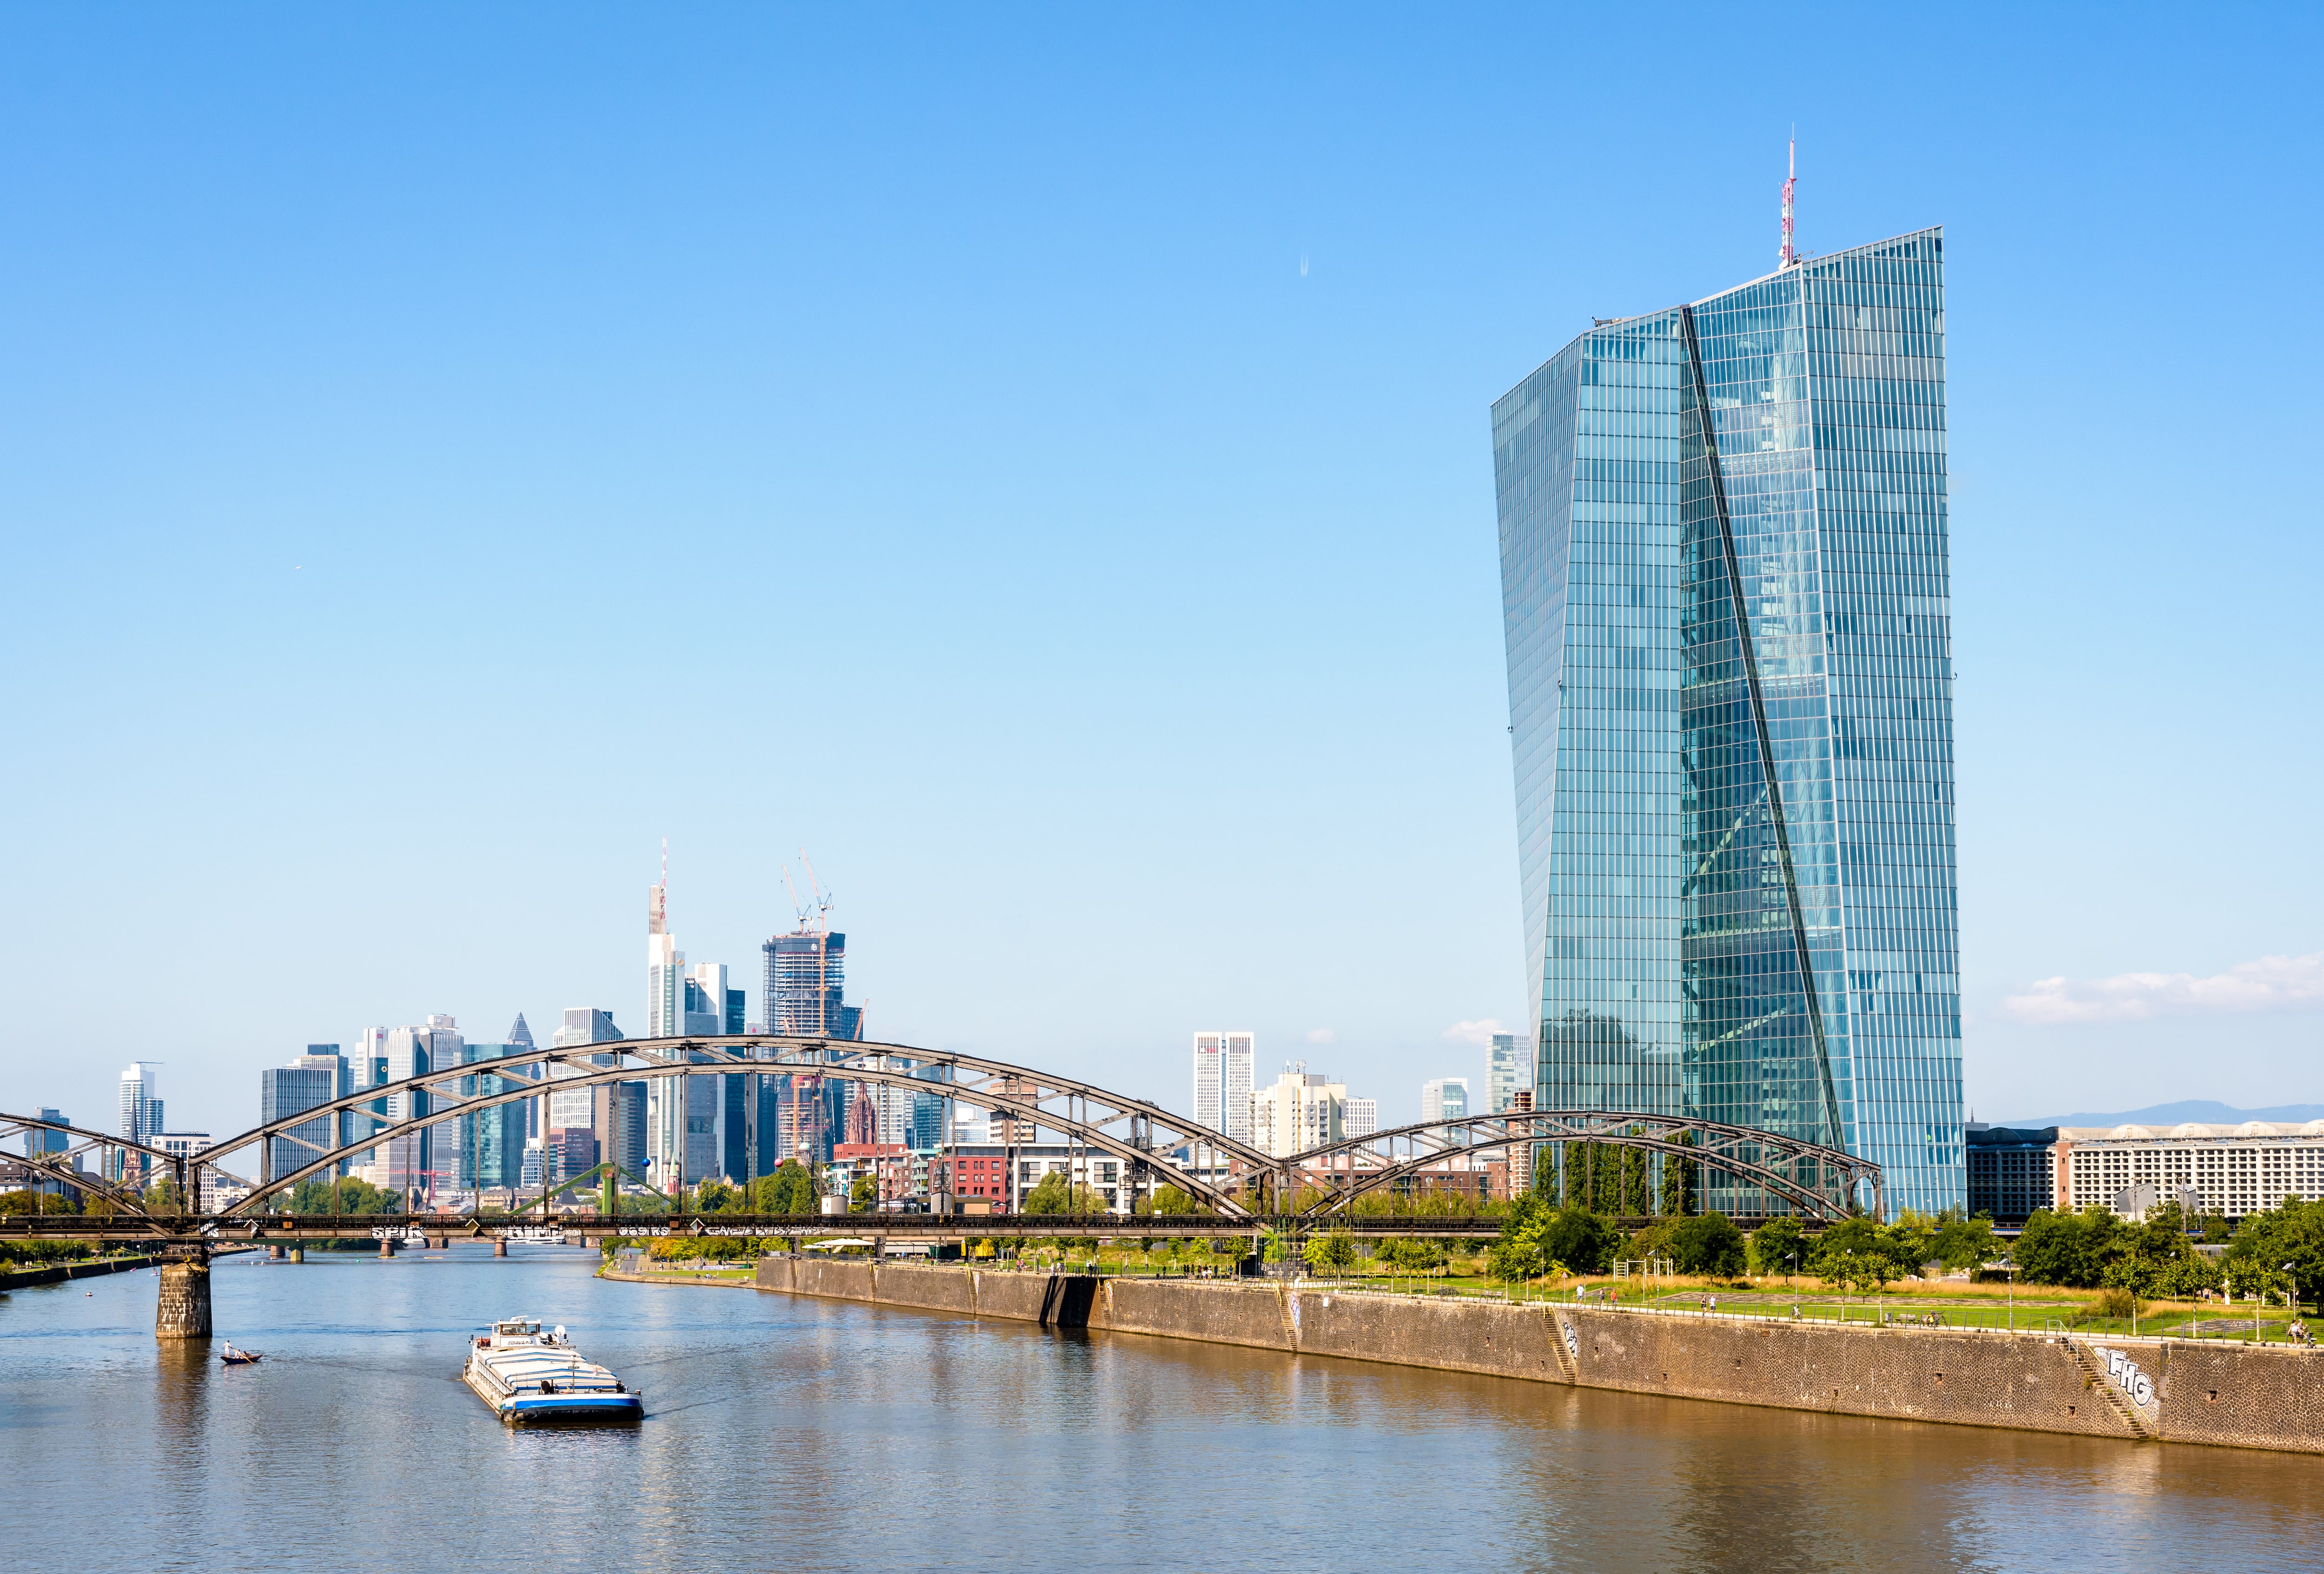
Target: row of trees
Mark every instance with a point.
(1541, 1237)
(2277, 1250)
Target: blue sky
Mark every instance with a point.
(1038, 463)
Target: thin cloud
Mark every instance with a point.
(2270, 983)
(1480, 1032)
(1322, 1035)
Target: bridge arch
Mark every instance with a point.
(57, 1167)
(1822, 1182)
(1132, 1130)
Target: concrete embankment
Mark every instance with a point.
(2174, 1390)
(86, 1268)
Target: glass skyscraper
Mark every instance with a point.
(1724, 585)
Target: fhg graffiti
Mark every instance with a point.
(2126, 1375)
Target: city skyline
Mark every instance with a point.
(1155, 627)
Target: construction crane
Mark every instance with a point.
(821, 899)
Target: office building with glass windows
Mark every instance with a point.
(1724, 581)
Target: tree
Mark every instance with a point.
(28, 1201)
(1055, 1195)
(1171, 1202)
(790, 1189)
(1779, 1245)
(1965, 1243)
(2068, 1249)
(1707, 1243)
(348, 1196)
(1334, 1253)
(1863, 1272)
(1407, 1255)
(863, 1196)
(2265, 1241)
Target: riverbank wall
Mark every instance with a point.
(2136, 1390)
(83, 1268)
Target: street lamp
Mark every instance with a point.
(2010, 1269)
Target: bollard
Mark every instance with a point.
(500, 1243)
(185, 1310)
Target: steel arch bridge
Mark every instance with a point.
(127, 1203)
(1132, 1130)
(1822, 1184)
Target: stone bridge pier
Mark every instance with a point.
(184, 1306)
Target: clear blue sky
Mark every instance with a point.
(1039, 463)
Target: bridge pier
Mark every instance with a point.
(274, 1252)
(386, 1248)
(500, 1246)
(185, 1308)
(297, 1253)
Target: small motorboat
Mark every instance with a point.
(233, 1357)
(529, 1375)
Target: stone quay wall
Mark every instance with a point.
(2174, 1390)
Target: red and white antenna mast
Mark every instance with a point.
(1788, 255)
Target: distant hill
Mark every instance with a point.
(2202, 1111)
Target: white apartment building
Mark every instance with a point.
(1363, 1116)
(1301, 1109)
(1223, 1090)
(2230, 1170)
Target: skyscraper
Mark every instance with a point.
(1444, 1098)
(1222, 1082)
(417, 1161)
(1725, 591)
(1506, 1071)
(805, 987)
(316, 1078)
(141, 1113)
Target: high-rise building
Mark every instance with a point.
(141, 1113)
(1223, 1089)
(416, 1163)
(369, 1065)
(1444, 1098)
(1300, 1110)
(1506, 1071)
(681, 1112)
(316, 1078)
(489, 1143)
(579, 1107)
(1363, 1116)
(805, 992)
(1726, 605)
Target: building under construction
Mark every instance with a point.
(806, 987)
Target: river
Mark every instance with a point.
(794, 1433)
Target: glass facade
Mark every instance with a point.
(1724, 585)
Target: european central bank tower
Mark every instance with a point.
(1724, 582)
